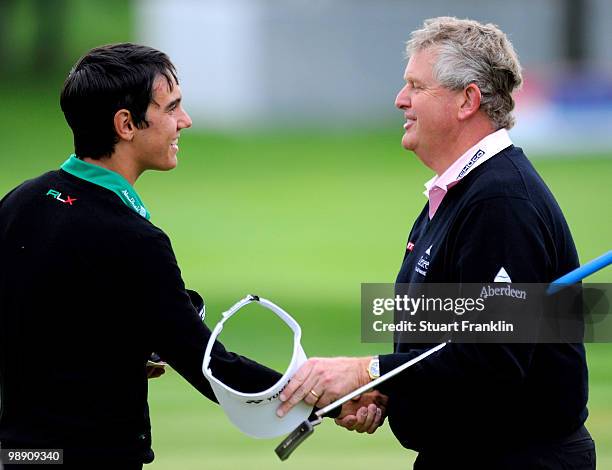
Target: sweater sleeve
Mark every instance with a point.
(177, 333)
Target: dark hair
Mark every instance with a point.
(105, 80)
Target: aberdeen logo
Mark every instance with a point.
(58, 197)
(502, 276)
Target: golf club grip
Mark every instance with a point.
(293, 440)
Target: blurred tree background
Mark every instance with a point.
(41, 39)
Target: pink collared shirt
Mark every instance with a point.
(437, 187)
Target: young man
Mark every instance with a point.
(89, 287)
(489, 217)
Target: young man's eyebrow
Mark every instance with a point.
(172, 104)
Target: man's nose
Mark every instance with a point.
(402, 100)
(185, 121)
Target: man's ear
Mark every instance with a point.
(124, 125)
(469, 101)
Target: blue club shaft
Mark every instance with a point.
(580, 273)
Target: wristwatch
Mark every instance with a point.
(374, 368)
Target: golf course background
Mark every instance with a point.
(300, 218)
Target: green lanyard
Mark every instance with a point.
(107, 179)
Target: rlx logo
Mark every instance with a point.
(58, 197)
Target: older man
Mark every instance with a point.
(489, 216)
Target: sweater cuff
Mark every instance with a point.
(389, 362)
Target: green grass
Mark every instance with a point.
(302, 219)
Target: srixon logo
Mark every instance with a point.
(58, 197)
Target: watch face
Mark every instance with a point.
(374, 368)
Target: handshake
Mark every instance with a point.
(318, 382)
(365, 413)
(321, 381)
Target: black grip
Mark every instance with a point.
(293, 440)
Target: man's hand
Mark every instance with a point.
(364, 413)
(321, 381)
(362, 401)
(156, 370)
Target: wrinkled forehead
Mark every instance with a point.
(421, 64)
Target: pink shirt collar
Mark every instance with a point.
(437, 187)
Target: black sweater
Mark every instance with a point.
(88, 289)
(500, 215)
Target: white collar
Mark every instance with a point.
(486, 148)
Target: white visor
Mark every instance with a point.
(255, 413)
